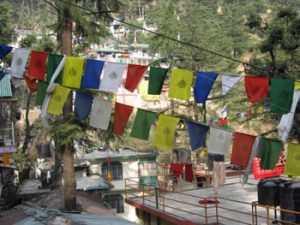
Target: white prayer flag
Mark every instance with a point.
(219, 141)
(19, 62)
(100, 115)
(112, 77)
(228, 81)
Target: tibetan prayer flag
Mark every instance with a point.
(228, 82)
(164, 135)
(256, 88)
(292, 166)
(41, 92)
(134, 75)
(58, 99)
(72, 73)
(219, 141)
(156, 80)
(281, 95)
(82, 106)
(19, 62)
(269, 153)
(92, 74)
(37, 65)
(112, 77)
(52, 64)
(297, 85)
(122, 114)
(5, 87)
(100, 115)
(197, 133)
(203, 85)
(241, 149)
(31, 83)
(142, 124)
(4, 50)
(180, 84)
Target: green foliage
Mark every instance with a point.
(21, 159)
(28, 41)
(7, 33)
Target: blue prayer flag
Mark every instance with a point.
(203, 85)
(83, 105)
(92, 73)
(4, 50)
(197, 133)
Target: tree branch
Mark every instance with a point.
(51, 3)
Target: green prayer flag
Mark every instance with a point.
(269, 153)
(142, 124)
(281, 95)
(292, 166)
(41, 92)
(52, 64)
(156, 80)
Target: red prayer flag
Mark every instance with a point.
(122, 113)
(256, 88)
(241, 149)
(37, 65)
(134, 75)
(31, 84)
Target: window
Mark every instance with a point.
(112, 171)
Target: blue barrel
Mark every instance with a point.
(268, 192)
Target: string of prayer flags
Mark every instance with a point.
(4, 50)
(180, 84)
(241, 149)
(164, 135)
(121, 116)
(92, 74)
(269, 153)
(31, 83)
(203, 85)
(134, 75)
(142, 124)
(58, 99)
(101, 111)
(82, 106)
(72, 73)
(228, 82)
(256, 88)
(37, 65)
(197, 133)
(112, 77)
(41, 92)
(19, 62)
(52, 63)
(156, 80)
(281, 95)
(143, 91)
(221, 146)
(292, 166)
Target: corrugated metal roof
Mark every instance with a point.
(5, 87)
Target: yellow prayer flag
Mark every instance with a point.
(180, 84)
(57, 99)
(292, 166)
(297, 85)
(164, 135)
(72, 73)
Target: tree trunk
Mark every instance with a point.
(27, 124)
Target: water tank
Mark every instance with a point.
(43, 150)
(290, 199)
(268, 192)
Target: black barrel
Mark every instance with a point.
(290, 199)
(268, 192)
(43, 150)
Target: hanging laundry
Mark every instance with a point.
(218, 176)
(19, 62)
(197, 133)
(164, 135)
(31, 83)
(228, 82)
(121, 116)
(211, 158)
(58, 99)
(4, 50)
(52, 64)
(134, 75)
(41, 92)
(72, 73)
(270, 150)
(281, 95)
(203, 85)
(292, 166)
(188, 172)
(219, 141)
(100, 115)
(176, 169)
(5, 87)
(92, 74)
(241, 149)
(156, 80)
(142, 124)
(180, 84)
(37, 65)
(82, 106)
(256, 88)
(112, 77)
